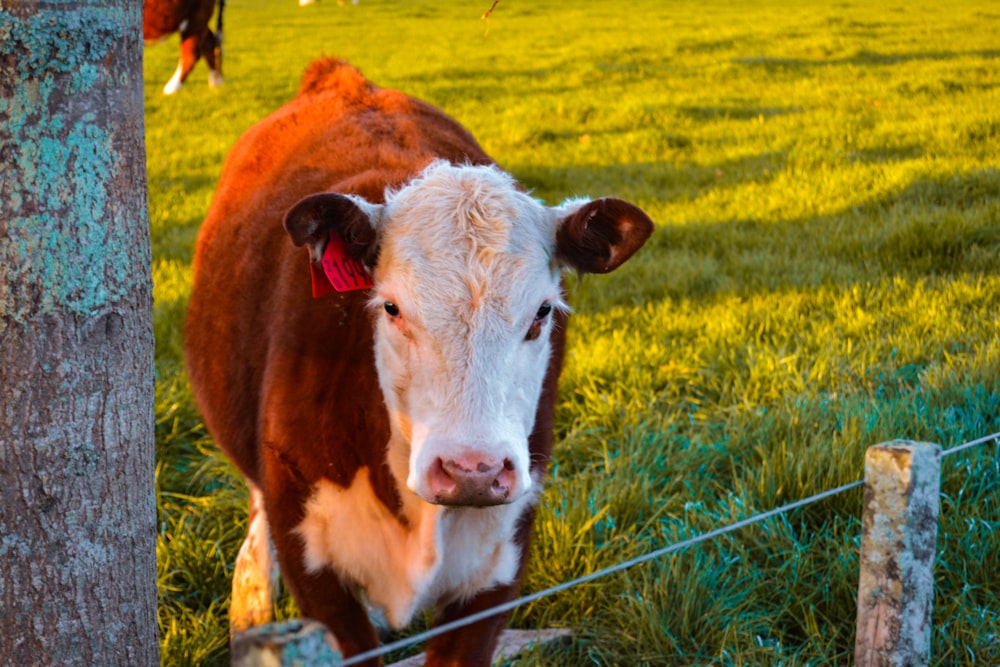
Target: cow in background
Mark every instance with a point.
(190, 18)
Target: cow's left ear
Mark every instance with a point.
(352, 218)
(598, 236)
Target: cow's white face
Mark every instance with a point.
(466, 289)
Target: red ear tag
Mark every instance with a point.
(340, 271)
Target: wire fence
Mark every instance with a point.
(676, 546)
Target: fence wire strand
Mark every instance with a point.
(624, 565)
(972, 443)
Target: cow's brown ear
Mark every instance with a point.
(598, 236)
(312, 219)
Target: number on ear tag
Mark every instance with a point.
(340, 271)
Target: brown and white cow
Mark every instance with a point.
(161, 18)
(395, 437)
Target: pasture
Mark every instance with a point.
(825, 178)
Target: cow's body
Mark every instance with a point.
(395, 438)
(161, 18)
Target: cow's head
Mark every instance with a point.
(466, 272)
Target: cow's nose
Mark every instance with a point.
(478, 481)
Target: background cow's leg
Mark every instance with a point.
(255, 579)
(211, 50)
(175, 81)
(189, 56)
(474, 645)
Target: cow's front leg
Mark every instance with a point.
(472, 645)
(321, 595)
(255, 578)
(475, 644)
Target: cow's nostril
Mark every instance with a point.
(504, 481)
(441, 480)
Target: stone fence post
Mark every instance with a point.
(899, 532)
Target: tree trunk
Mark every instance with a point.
(77, 497)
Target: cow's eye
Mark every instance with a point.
(391, 308)
(536, 326)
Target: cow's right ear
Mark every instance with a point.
(354, 219)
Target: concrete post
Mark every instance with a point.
(899, 532)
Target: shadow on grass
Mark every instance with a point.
(734, 112)
(860, 58)
(932, 227)
(646, 182)
(471, 83)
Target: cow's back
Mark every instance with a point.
(252, 324)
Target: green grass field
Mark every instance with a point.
(825, 178)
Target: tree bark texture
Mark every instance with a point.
(77, 495)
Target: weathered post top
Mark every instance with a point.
(899, 532)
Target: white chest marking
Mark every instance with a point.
(443, 554)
